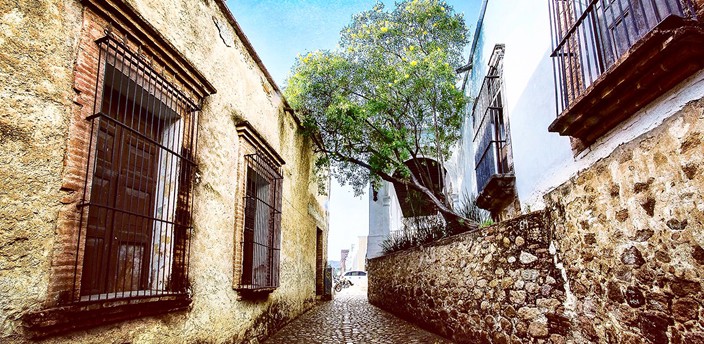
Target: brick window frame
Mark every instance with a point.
(62, 310)
(135, 223)
(256, 157)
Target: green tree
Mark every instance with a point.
(386, 96)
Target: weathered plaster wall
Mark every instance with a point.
(39, 47)
(623, 241)
(38, 43)
(630, 230)
(497, 285)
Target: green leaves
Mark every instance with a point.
(387, 94)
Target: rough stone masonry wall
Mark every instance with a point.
(498, 285)
(628, 238)
(39, 45)
(630, 231)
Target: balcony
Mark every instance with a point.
(431, 175)
(495, 178)
(613, 57)
(492, 147)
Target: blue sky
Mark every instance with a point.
(279, 30)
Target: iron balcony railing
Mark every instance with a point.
(492, 154)
(589, 36)
(491, 147)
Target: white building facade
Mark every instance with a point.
(544, 78)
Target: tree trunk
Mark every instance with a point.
(455, 223)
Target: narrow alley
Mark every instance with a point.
(471, 171)
(349, 318)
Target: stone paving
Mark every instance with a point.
(349, 318)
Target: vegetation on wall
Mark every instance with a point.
(421, 230)
(416, 231)
(387, 96)
(469, 209)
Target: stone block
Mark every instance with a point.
(685, 309)
(538, 329)
(527, 258)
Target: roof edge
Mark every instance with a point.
(250, 49)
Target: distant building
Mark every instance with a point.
(335, 265)
(385, 217)
(356, 259)
(344, 254)
(349, 262)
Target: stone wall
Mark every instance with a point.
(41, 95)
(619, 256)
(497, 285)
(630, 230)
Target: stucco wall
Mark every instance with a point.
(623, 241)
(39, 42)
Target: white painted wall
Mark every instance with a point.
(530, 92)
(542, 160)
(524, 28)
(384, 218)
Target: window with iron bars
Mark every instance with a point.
(492, 146)
(136, 208)
(262, 224)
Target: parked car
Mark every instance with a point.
(358, 278)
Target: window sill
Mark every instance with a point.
(83, 315)
(666, 56)
(248, 292)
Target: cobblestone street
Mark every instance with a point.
(349, 318)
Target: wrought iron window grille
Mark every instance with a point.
(261, 244)
(135, 213)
